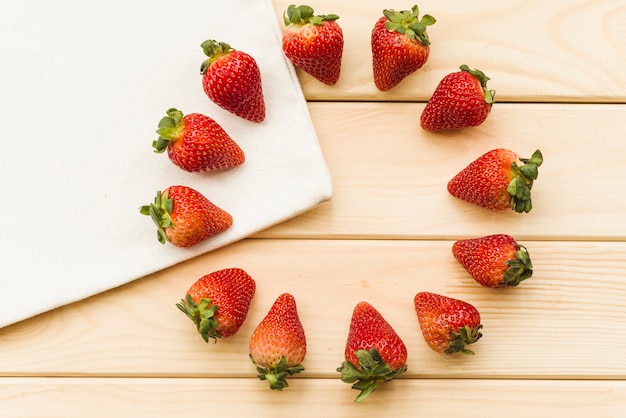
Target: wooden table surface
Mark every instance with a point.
(554, 346)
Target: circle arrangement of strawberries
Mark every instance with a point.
(218, 302)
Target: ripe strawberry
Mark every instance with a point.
(495, 181)
(400, 46)
(232, 80)
(195, 142)
(313, 43)
(374, 352)
(447, 324)
(218, 303)
(185, 217)
(278, 344)
(495, 260)
(461, 100)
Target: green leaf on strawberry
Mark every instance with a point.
(464, 336)
(407, 22)
(277, 376)
(373, 371)
(522, 182)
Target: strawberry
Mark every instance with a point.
(313, 43)
(278, 344)
(232, 80)
(185, 217)
(196, 142)
(447, 324)
(374, 352)
(461, 100)
(495, 260)
(218, 302)
(495, 181)
(400, 46)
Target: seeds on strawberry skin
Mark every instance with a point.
(313, 43)
(185, 217)
(461, 100)
(232, 80)
(448, 325)
(496, 181)
(374, 352)
(195, 142)
(495, 261)
(400, 46)
(278, 344)
(218, 302)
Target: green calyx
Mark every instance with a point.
(203, 315)
(490, 95)
(277, 376)
(464, 336)
(407, 22)
(373, 371)
(522, 182)
(169, 130)
(160, 211)
(301, 15)
(214, 50)
(519, 268)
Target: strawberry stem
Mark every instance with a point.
(372, 371)
(519, 268)
(277, 376)
(489, 94)
(407, 22)
(169, 130)
(301, 15)
(160, 211)
(464, 336)
(522, 182)
(203, 315)
(213, 50)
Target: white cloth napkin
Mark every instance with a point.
(83, 86)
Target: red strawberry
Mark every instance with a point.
(185, 217)
(232, 80)
(496, 181)
(196, 142)
(400, 46)
(218, 303)
(495, 260)
(461, 100)
(374, 352)
(313, 43)
(278, 344)
(448, 324)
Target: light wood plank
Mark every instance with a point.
(532, 50)
(390, 176)
(562, 323)
(65, 397)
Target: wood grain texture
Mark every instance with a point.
(551, 347)
(434, 398)
(390, 176)
(560, 324)
(533, 51)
